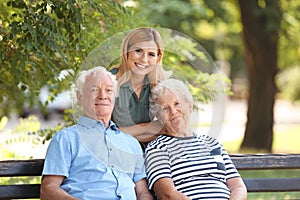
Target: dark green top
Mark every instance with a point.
(130, 110)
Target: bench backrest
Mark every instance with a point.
(266, 162)
(13, 168)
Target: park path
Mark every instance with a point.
(286, 114)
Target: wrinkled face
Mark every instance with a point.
(143, 57)
(173, 112)
(97, 98)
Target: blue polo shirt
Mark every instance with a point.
(98, 163)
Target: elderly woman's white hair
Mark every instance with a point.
(100, 71)
(176, 86)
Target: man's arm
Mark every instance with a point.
(238, 190)
(141, 190)
(164, 188)
(50, 188)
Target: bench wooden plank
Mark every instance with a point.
(24, 191)
(21, 167)
(266, 161)
(272, 184)
(13, 168)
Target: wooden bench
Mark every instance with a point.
(16, 168)
(267, 162)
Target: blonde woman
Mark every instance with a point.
(140, 70)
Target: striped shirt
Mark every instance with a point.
(199, 165)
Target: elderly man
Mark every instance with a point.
(93, 159)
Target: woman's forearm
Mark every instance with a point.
(143, 132)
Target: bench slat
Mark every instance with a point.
(272, 184)
(25, 191)
(266, 161)
(21, 167)
(12, 168)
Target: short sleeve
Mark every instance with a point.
(139, 170)
(58, 156)
(157, 165)
(231, 171)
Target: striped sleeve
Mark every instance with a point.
(231, 171)
(157, 164)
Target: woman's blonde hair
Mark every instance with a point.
(143, 34)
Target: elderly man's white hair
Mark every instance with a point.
(96, 70)
(178, 87)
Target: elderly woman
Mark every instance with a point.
(180, 164)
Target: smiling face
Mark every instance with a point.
(143, 57)
(97, 98)
(174, 113)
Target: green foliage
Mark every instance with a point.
(13, 142)
(3, 122)
(43, 135)
(212, 23)
(13, 145)
(189, 61)
(216, 25)
(289, 48)
(289, 83)
(182, 55)
(40, 38)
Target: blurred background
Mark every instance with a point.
(255, 44)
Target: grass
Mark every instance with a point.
(285, 141)
(273, 196)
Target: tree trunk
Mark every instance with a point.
(260, 30)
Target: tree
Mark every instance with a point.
(39, 39)
(217, 26)
(213, 24)
(288, 79)
(261, 22)
(49, 42)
